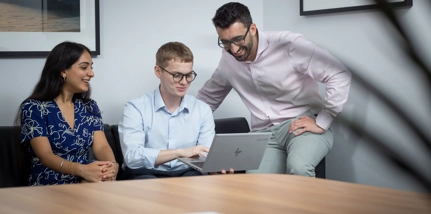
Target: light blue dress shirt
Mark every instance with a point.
(148, 127)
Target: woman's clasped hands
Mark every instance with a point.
(99, 171)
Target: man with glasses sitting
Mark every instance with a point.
(167, 124)
(276, 74)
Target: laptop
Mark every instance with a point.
(239, 151)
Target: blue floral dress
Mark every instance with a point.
(44, 118)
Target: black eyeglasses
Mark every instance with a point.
(236, 41)
(178, 77)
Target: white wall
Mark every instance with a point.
(365, 41)
(132, 30)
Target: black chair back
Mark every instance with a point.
(231, 125)
(13, 173)
(118, 154)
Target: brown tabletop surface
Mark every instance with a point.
(238, 193)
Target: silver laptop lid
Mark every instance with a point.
(240, 151)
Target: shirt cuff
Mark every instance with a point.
(150, 158)
(324, 120)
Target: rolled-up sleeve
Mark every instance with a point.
(132, 138)
(325, 68)
(207, 130)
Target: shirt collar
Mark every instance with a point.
(262, 44)
(159, 104)
(184, 105)
(158, 101)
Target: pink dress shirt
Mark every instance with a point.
(282, 82)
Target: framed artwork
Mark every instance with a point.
(315, 7)
(31, 28)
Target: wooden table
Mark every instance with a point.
(239, 193)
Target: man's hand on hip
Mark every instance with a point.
(305, 124)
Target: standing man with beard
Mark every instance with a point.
(276, 75)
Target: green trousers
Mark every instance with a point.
(290, 154)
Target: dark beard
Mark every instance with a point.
(247, 52)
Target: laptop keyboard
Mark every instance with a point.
(198, 164)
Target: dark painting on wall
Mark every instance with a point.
(34, 27)
(316, 7)
(39, 16)
(61, 16)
